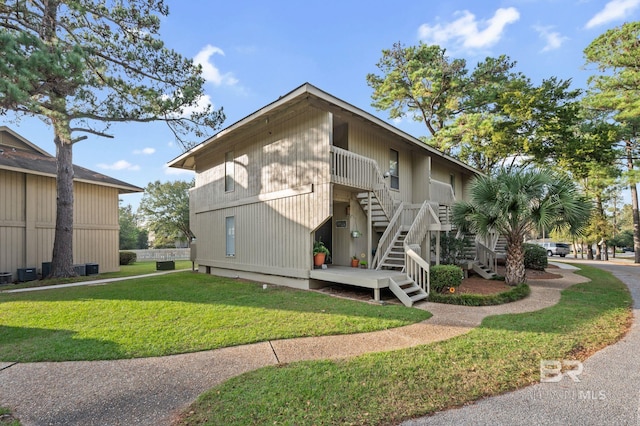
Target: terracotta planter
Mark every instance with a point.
(355, 263)
(318, 259)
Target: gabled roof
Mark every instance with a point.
(308, 91)
(11, 139)
(33, 160)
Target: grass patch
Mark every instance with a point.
(138, 268)
(176, 313)
(502, 354)
(516, 293)
(7, 419)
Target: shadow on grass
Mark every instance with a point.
(19, 343)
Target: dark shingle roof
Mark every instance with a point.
(35, 163)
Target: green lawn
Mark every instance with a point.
(175, 313)
(503, 354)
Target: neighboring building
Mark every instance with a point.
(28, 209)
(307, 167)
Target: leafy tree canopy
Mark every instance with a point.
(131, 235)
(81, 65)
(165, 209)
(489, 117)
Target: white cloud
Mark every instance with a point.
(144, 151)
(171, 171)
(553, 39)
(201, 104)
(119, 165)
(209, 71)
(465, 31)
(613, 11)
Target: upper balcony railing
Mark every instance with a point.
(361, 172)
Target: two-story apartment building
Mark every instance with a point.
(28, 209)
(310, 167)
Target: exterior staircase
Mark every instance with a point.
(378, 216)
(470, 256)
(483, 270)
(406, 289)
(394, 257)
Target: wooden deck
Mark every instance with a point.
(368, 278)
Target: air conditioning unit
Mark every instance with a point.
(27, 274)
(46, 269)
(91, 268)
(6, 277)
(81, 270)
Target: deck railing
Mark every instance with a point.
(417, 269)
(387, 238)
(401, 221)
(415, 266)
(487, 256)
(361, 172)
(424, 220)
(442, 193)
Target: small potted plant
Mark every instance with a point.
(320, 252)
(354, 261)
(363, 264)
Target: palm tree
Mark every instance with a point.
(515, 203)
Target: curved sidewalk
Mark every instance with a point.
(608, 391)
(153, 391)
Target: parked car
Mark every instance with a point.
(560, 249)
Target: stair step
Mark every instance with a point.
(419, 296)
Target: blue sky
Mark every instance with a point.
(252, 52)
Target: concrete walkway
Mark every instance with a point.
(608, 392)
(153, 391)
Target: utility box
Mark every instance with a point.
(27, 274)
(91, 268)
(165, 265)
(6, 277)
(46, 269)
(81, 270)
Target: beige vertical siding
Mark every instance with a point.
(282, 193)
(96, 227)
(365, 141)
(27, 222)
(12, 221)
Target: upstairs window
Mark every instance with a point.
(394, 169)
(229, 172)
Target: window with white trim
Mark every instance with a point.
(230, 232)
(394, 169)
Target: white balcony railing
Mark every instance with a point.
(361, 172)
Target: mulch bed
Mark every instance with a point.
(478, 285)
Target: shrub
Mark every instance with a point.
(535, 257)
(127, 257)
(445, 276)
(451, 248)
